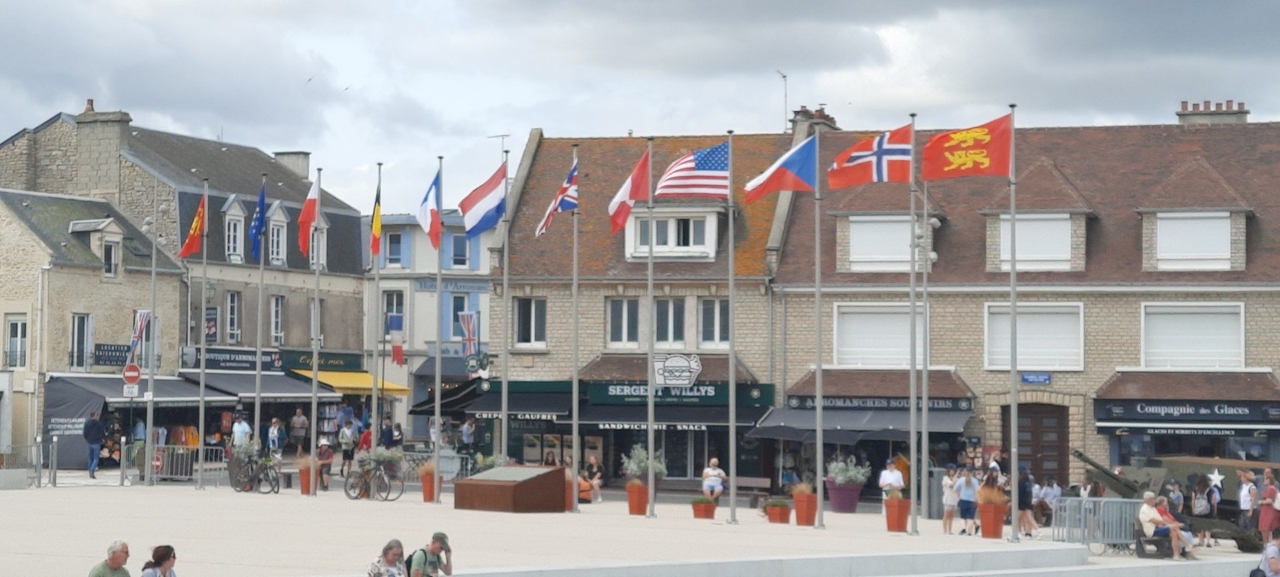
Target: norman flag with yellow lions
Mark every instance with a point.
(194, 234)
(978, 151)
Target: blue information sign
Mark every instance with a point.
(1037, 378)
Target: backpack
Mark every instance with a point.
(1200, 505)
(408, 562)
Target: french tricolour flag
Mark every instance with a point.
(797, 170)
(429, 213)
(484, 207)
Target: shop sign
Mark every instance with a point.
(328, 361)
(706, 395)
(519, 416)
(451, 285)
(110, 355)
(1185, 411)
(645, 426)
(887, 403)
(222, 359)
(1037, 378)
(676, 370)
(1179, 432)
(211, 324)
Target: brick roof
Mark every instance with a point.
(1117, 170)
(604, 164)
(857, 383)
(631, 368)
(1042, 187)
(1191, 386)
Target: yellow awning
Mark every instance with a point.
(355, 383)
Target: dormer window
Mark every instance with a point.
(879, 243)
(110, 258)
(235, 239)
(278, 235)
(1044, 242)
(319, 249)
(1193, 241)
(682, 235)
(277, 244)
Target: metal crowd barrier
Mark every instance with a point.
(1102, 524)
(25, 457)
(173, 463)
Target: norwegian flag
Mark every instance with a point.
(884, 158)
(566, 198)
(141, 320)
(470, 322)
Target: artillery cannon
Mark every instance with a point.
(1133, 484)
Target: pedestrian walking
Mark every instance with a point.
(94, 432)
(347, 440)
(298, 428)
(240, 432)
(435, 559)
(277, 436)
(117, 556)
(391, 562)
(161, 563)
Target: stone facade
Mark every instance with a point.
(1239, 232)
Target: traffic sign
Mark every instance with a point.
(131, 391)
(132, 374)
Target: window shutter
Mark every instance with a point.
(446, 251)
(446, 316)
(473, 253)
(406, 248)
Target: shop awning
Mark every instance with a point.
(275, 386)
(451, 399)
(534, 406)
(169, 391)
(848, 427)
(453, 370)
(355, 383)
(664, 415)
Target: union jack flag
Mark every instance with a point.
(470, 322)
(566, 198)
(141, 320)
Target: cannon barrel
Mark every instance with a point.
(1126, 488)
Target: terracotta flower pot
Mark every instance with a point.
(637, 499)
(844, 498)
(304, 481)
(896, 511)
(991, 517)
(704, 510)
(778, 514)
(569, 496)
(429, 490)
(806, 509)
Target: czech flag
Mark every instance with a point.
(797, 170)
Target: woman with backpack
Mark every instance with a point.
(1204, 504)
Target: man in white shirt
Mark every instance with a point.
(1047, 502)
(240, 431)
(1153, 525)
(891, 480)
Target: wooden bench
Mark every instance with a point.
(757, 487)
(1163, 547)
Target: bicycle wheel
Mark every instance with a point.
(267, 481)
(352, 485)
(245, 477)
(392, 487)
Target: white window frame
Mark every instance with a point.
(1032, 229)
(234, 239)
(1191, 308)
(111, 258)
(669, 248)
(673, 324)
(534, 342)
(319, 254)
(626, 326)
(234, 300)
(12, 356)
(277, 242)
(87, 337)
(1167, 259)
(395, 257)
(316, 322)
(277, 320)
(392, 304)
(719, 340)
(897, 260)
(1025, 310)
(881, 308)
(465, 243)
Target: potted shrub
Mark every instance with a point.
(778, 511)
(896, 510)
(636, 465)
(806, 504)
(427, 472)
(704, 508)
(993, 506)
(845, 481)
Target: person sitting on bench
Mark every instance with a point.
(1153, 525)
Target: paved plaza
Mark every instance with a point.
(217, 532)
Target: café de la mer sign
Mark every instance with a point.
(676, 370)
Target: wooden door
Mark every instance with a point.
(1042, 440)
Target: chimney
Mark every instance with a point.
(88, 106)
(1231, 112)
(818, 116)
(299, 162)
(101, 137)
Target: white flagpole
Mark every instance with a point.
(577, 441)
(924, 366)
(375, 260)
(263, 251)
(204, 338)
(819, 478)
(913, 450)
(315, 334)
(439, 382)
(733, 356)
(653, 457)
(1012, 433)
(506, 306)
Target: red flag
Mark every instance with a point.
(635, 188)
(978, 151)
(308, 218)
(885, 158)
(192, 244)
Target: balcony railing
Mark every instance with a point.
(14, 358)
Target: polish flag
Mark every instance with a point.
(308, 218)
(635, 188)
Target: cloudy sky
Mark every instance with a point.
(405, 81)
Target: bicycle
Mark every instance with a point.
(375, 481)
(258, 475)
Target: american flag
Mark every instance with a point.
(699, 173)
(470, 322)
(566, 198)
(142, 319)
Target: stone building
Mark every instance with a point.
(74, 275)
(407, 287)
(1147, 267)
(139, 171)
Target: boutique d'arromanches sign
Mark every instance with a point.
(886, 403)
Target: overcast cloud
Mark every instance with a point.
(405, 81)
